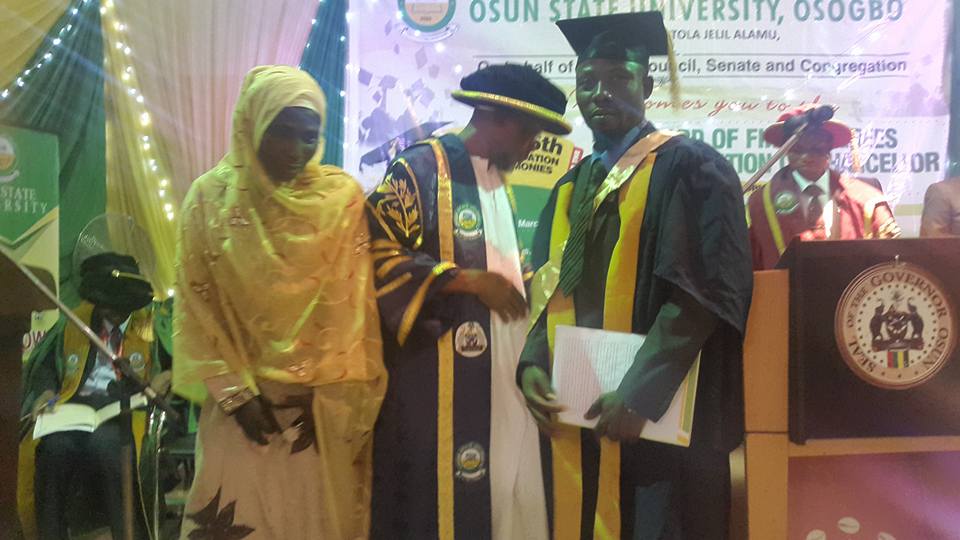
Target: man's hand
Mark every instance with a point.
(494, 290)
(41, 403)
(161, 382)
(501, 296)
(615, 420)
(541, 400)
(257, 421)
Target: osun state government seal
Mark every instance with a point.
(896, 325)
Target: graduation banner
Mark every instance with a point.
(29, 209)
(532, 180)
(883, 63)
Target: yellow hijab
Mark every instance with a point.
(274, 281)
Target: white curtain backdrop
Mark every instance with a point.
(190, 57)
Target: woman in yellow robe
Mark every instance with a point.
(276, 327)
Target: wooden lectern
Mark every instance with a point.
(803, 398)
(18, 300)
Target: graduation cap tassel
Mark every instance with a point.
(674, 74)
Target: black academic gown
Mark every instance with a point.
(408, 226)
(95, 456)
(694, 254)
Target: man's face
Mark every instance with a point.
(289, 143)
(514, 140)
(811, 155)
(611, 95)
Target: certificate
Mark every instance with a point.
(588, 362)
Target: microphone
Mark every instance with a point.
(814, 116)
(821, 114)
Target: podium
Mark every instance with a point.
(851, 364)
(18, 300)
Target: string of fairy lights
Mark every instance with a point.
(49, 48)
(115, 36)
(342, 93)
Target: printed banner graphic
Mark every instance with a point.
(29, 209)
(742, 63)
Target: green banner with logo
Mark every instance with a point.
(29, 208)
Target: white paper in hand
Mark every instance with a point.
(588, 362)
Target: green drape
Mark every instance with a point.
(325, 57)
(65, 98)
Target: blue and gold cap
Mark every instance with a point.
(516, 87)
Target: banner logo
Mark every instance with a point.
(896, 325)
(428, 20)
(8, 160)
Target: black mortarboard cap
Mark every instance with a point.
(625, 31)
(113, 280)
(624, 36)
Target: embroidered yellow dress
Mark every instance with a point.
(275, 292)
